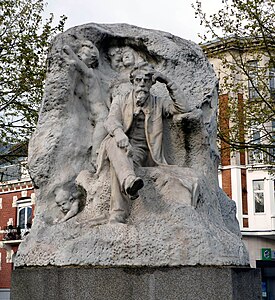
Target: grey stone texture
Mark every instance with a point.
(126, 283)
(167, 225)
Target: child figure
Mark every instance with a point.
(68, 204)
(86, 63)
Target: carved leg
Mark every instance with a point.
(123, 181)
(99, 113)
(119, 206)
(122, 164)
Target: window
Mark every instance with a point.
(258, 194)
(256, 155)
(272, 142)
(24, 218)
(10, 172)
(252, 68)
(272, 82)
(24, 215)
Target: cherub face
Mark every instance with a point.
(64, 206)
(63, 201)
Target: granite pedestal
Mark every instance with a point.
(146, 283)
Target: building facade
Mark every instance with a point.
(17, 201)
(247, 176)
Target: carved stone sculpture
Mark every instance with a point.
(143, 188)
(89, 87)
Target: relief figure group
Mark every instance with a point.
(127, 120)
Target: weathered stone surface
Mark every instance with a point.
(163, 228)
(163, 283)
(181, 216)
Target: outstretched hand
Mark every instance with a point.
(160, 78)
(192, 115)
(66, 49)
(69, 55)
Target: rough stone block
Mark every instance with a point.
(145, 283)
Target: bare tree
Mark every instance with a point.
(242, 35)
(25, 39)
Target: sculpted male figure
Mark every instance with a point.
(135, 135)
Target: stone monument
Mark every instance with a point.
(125, 165)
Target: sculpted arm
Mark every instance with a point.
(194, 116)
(178, 105)
(74, 59)
(114, 124)
(114, 119)
(72, 212)
(180, 110)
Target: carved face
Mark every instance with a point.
(116, 58)
(63, 200)
(128, 58)
(89, 55)
(142, 83)
(64, 205)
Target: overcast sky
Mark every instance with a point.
(174, 16)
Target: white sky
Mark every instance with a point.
(174, 16)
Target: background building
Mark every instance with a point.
(17, 201)
(247, 176)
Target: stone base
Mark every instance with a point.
(146, 283)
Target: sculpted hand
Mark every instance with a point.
(69, 52)
(121, 139)
(69, 56)
(66, 49)
(129, 150)
(195, 114)
(160, 78)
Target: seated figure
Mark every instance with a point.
(135, 135)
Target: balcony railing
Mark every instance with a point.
(260, 157)
(15, 233)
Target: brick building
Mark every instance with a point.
(247, 176)
(17, 201)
